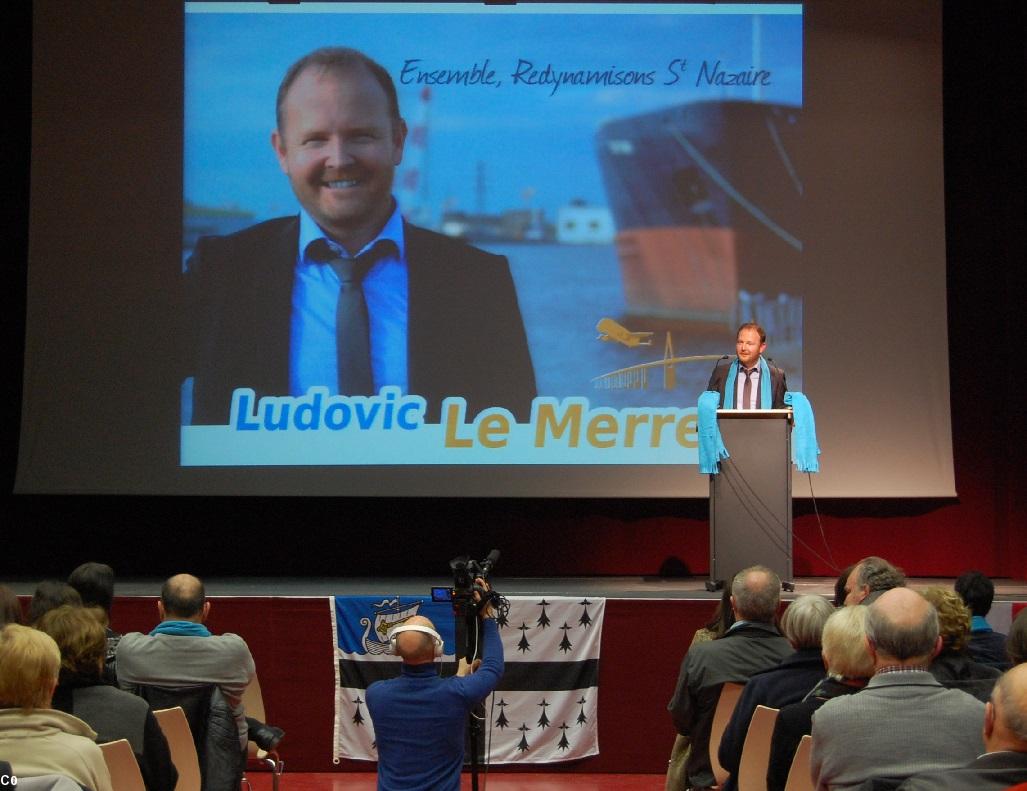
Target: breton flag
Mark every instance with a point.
(545, 707)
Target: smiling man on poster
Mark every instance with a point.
(348, 295)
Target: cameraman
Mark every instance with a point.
(420, 718)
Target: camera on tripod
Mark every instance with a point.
(465, 572)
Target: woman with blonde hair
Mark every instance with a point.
(849, 667)
(35, 739)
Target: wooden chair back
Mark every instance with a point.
(799, 776)
(121, 763)
(752, 770)
(729, 695)
(183, 750)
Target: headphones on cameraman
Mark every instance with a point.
(396, 631)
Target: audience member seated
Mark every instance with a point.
(715, 628)
(1016, 642)
(870, 578)
(181, 653)
(718, 625)
(788, 682)
(1004, 762)
(840, 585)
(95, 584)
(10, 607)
(849, 667)
(954, 667)
(904, 721)
(113, 713)
(986, 645)
(35, 739)
(48, 595)
(752, 644)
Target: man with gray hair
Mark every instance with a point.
(1004, 762)
(904, 721)
(752, 644)
(788, 682)
(870, 578)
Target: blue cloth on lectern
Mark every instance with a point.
(766, 399)
(711, 446)
(804, 433)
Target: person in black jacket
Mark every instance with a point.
(986, 645)
(753, 643)
(849, 667)
(111, 712)
(787, 682)
(954, 666)
(348, 295)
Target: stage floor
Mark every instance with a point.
(610, 587)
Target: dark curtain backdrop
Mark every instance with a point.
(984, 527)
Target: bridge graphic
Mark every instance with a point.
(636, 377)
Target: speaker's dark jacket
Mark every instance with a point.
(465, 332)
(778, 385)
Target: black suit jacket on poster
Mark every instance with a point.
(465, 332)
(778, 385)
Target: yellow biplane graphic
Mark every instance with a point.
(610, 330)
(637, 376)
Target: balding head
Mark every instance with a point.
(902, 629)
(416, 648)
(1005, 717)
(755, 594)
(182, 598)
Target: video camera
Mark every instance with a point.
(465, 572)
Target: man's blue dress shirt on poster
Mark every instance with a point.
(420, 720)
(313, 355)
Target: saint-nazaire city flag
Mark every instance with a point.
(545, 707)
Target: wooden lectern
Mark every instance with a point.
(751, 497)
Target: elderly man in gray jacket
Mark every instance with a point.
(1005, 738)
(904, 721)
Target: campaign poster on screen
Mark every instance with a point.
(593, 198)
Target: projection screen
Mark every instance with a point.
(585, 201)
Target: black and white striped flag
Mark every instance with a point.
(544, 709)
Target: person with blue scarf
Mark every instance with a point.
(750, 382)
(182, 652)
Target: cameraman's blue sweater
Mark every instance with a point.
(419, 720)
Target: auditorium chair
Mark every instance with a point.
(121, 763)
(180, 742)
(726, 703)
(213, 731)
(752, 769)
(253, 703)
(798, 776)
